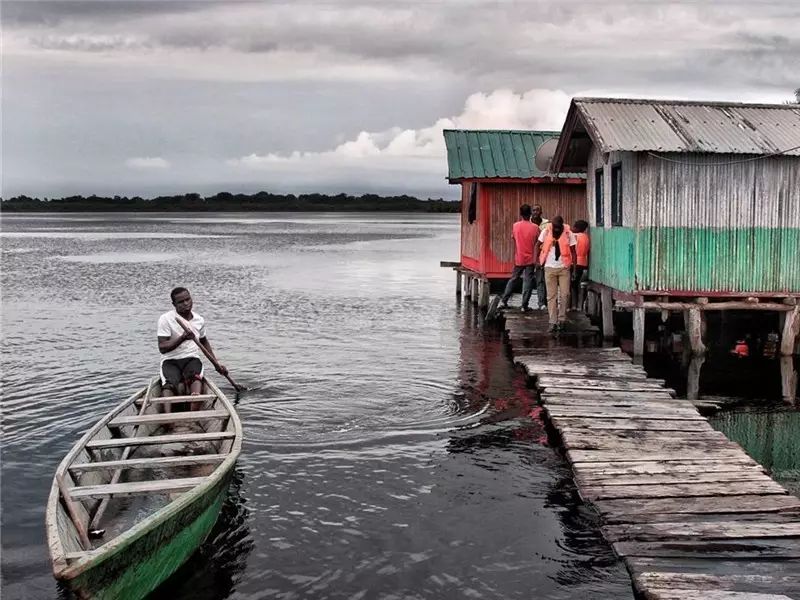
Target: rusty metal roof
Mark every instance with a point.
(494, 153)
(680, 126)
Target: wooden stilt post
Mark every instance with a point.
(788, 379)
(591, 303)
(474, 291)
(608, 314)
(458, 283)
(483, 297)
(693, 377)
(694, 318)
(791, 329)
(638, 332)
(467, 286)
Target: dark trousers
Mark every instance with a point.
(527, 274)
(541, 289)
(577, 277)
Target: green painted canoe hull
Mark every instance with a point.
(138, 567)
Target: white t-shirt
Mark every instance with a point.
(168, 327)
(551, 261)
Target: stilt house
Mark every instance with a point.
(688, 201)
(497, 174)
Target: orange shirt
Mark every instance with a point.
(582, 249)
(525, 235)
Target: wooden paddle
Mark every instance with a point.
(209, 356)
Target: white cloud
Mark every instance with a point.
(147, 163)
(392, 148)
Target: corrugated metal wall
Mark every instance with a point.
(711, 223)
(704, 224)
(504, 200)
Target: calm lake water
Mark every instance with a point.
(391, 449)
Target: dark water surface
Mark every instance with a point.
(391, 450)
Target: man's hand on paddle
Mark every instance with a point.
(188, 335)
(222, 369)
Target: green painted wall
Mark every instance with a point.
(719, 260)
(611, 261)
(697, 259)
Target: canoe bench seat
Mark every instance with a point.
(176, 417)
(149, 462)
(183, 438)
(132, 488)
(176, 399)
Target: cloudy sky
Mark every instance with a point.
(148, 97)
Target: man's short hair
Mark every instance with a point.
(525, 211)
(580, 226)
(559, 220)
(175, 292)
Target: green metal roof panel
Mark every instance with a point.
(491, 153)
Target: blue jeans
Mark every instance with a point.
(526, 272)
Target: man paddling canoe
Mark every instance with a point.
(180, 361)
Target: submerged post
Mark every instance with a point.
(608, 315)
(474, 290)
(483, 297)
(458, 283)
(638, 331)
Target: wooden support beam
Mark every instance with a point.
(608, 314)
(474, 291)
(459, 277)
(730, 305)
(694, 328)
(638, 332)
(483, 297)
(791, 329)
(467, 286)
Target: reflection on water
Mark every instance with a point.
(391, 449)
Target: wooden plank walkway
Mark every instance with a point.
(690, 513)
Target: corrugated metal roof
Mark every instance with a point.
(678, 126)
(494, 153)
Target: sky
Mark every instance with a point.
(114, 97)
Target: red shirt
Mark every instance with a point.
(525, 235)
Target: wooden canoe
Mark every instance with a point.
(153, 480)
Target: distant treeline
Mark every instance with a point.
(262, 201)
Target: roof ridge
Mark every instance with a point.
(595, 99)
(529, 131)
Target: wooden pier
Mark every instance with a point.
(690, 513)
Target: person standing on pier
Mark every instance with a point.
(580, 228)
(538, 219)
(557, 255)
(525, 233)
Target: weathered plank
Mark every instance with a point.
(672, 478)
(631, 424)
(652, 404)
(712, 530)
(746, 503)
(617, 412)
(550, 381)
(628, 467)
(156, 462)
(713, 567)
(134, 488)
(161, 439)
(762, 548)
(604, 456)
(684, 490)
(681, 593)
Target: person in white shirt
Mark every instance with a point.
(180, 354)
(557, 255)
